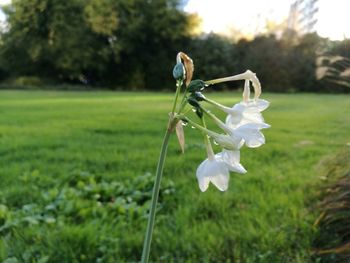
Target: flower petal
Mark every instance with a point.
(252, 117)
(203, 179)
(230, 142)
(215, 171)
(203, 183)
(232, 159)
(251, 134)
(261, 104)
(221, 181)
(246, 112)
(233, 122)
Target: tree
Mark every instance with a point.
(58, 39)
(302, 62)
(266, 56)
(99, 41)
(214, 56)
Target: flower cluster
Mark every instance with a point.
(242, 126)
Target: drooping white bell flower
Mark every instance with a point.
(246, 111)
(243, 112)
(248, 134)
(227, 141)
(251, 134)
(216, 169)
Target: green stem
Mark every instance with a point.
(199, 127)
(207, 142)
(217, 120)
(183, 101)
(218, 105)
(155, 194)
(159, 174)
(178, 88)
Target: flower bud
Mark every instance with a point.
(199, 112)
(179, 71)
(199, 96)
(193, 102)
(188, 64)
(196, 85)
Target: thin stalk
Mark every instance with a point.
(218, 105)
(231, 78)
(207, 142)
(248, 75)
(178, 88)
(155, 194)
(217, 121)
(199, 127)
(183, 102)
(159, 174)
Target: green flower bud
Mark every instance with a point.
(192, 101)
(198, 96)
(199, 112)
(179, 71)
(196, 85)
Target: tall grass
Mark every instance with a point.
(333, 241)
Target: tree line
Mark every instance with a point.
(132, 44)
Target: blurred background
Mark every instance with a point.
(85, 91)
(293, 45)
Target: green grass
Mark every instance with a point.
(75, 180)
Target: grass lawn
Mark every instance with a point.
(76, 177)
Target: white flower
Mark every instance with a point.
(228, 141)
(235, 137)
(246, 112)
(245, 118)
(243, 112)
(243, 126)
(232, 160)
(251, 134)
(216, 169)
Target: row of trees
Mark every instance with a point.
(131, 44)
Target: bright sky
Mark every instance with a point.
(249, 16)
(3, 2)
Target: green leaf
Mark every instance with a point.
(44, 259)
(11, 260)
